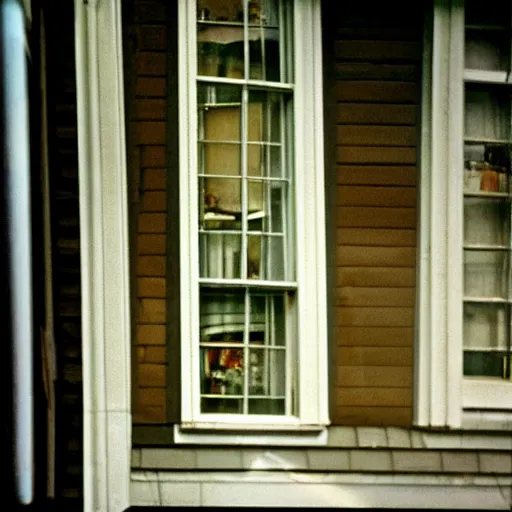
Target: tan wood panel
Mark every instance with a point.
(375, 217)
(372, 416)
(151, 287)
(152, 223)
(377, 91)
(359, 195)
(374, 397)
(149, 109)
(153, 201)
(364, 256)
(152, 354)
(148, 132)
(374, 236)
(368, 50)
(151, 64)
(152, 156)
(151, 266)
(151, 37)
(151, 375)
(154, 179)
(376, 113)
(370, 135)
(150, 87)
(374, 317)
(374, 376)
(150, 334)
(375, 155)
(151, 244)
(149, 414)
(376, 71)
(378, 277)
(151, 311)
(376, 175)
(375, 336)
(374, 356)
(151, 397)
(368, 296)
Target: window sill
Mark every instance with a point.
(479, 393)
(256, 435)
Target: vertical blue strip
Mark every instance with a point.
(17, 175)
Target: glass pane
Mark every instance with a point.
(484, 326)
(222, 196)
(486, 221)
(487, 50)
(275, 406)
(222, 315)
(486, 167)
(486, 364)
(219, 256)
(224, 405)
(265, 258)
(485, 274)
(219, 158)
(264, 116)
(487, 113)
(225, 96)
(222, 371)
(264, 54)
(222, 124)
(267, 372)
(492, 12)
(220, 50)
(215, 10)
(268, 313)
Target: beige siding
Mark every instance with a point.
(377, 91)
(147, 133)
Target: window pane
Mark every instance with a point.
(486, 221)
(220, 255)
(487, 113)
(485, 274)
(487, 50)
(265, 258)
(215, 10)
(264, 116)
(485, 364)
(243, 351)
(485, 326)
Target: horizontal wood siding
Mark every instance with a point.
(376, 90)
(146, 93)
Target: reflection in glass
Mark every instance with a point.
(484, 326)
(213, 10)
(219, 255)
(485, 274)
(264, 54)
(485, 222)
(487, 114)
(488, 51)
(264, 116)
(485, 364)
(265, 258)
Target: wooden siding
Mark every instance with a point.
(374, 95)
(146, 38)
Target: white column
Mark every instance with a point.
(104, 255)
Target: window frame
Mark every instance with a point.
(442, 392)
(310, 240)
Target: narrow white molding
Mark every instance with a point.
(438, 371)
(104, 255)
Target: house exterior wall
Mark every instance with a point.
(375, 82)
(377, 93)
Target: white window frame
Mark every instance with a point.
(442, 392)
(310, 237)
